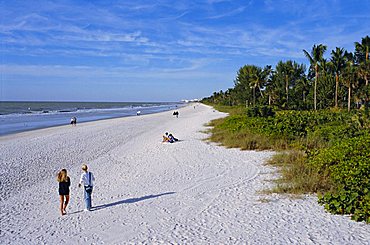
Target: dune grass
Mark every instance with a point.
(323, 152)
(297, 176)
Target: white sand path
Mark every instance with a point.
(189, 192)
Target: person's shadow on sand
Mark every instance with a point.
(130, 200)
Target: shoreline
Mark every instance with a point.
(146, 191)
(92, 120)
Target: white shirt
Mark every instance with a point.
(84, 180)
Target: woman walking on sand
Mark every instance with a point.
(64, 183)
(86, 180)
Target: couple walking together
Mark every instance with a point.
(86, 180)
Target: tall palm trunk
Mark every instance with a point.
(349, 96)
(314, 92)
(287, 90)
(366, 60)
(254, 96)
(261, 92)
(316, 58)
(336, 89)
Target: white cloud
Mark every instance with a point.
(118, 74)
(184, 36)
(228, 14)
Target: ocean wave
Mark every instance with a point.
(84, 110)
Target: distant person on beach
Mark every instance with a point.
(176, 113)
(169, 138)
(165, 138)
(73, 121)
(138, 113)
(64, 183)
(172, 138)
(87, 179)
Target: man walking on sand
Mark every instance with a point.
(86, 180)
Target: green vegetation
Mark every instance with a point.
(318, 120)
(342, 81)
(347, 165)
(325, 152)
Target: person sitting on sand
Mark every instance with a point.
(172, 138)
(169, 138)
(64, 183)
(166, 138)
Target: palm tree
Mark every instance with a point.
(270, 90)
(288, 71)
(315, 59)
(286, 75)
(338, 61)
(362, 57)
(302, 89)
(350, 75)
(242, 84)
(364, 71)
(258, 79)
(362, 49)
(326, 85)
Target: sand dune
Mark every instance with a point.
(151, 192)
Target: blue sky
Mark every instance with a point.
(159, 50)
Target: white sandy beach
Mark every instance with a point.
(148, 192)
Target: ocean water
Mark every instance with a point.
(23, 116)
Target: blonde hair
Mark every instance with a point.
(62, 176)
(84, 167)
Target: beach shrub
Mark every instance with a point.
(328, 152)
(347, 164)
(298, 129)
(299, 123)
(260, 111)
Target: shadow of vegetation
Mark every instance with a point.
(130, 200)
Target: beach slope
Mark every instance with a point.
(147, 191)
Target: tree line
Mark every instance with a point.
(342, 81)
